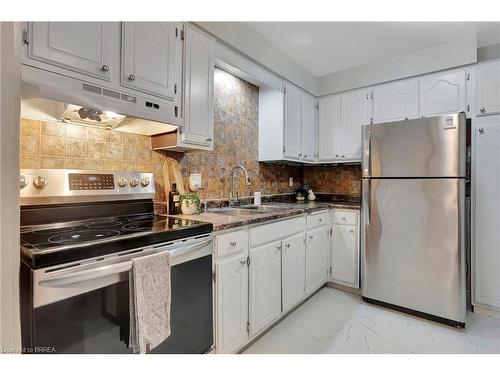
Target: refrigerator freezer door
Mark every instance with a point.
(428, 147)
(412, 245)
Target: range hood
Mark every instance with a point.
(52, 97)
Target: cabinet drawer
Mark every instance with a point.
(231, 243)
(348, 217)
(317, 219)
(274, 231)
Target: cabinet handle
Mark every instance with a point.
(483, 109)
(105, 68)
(481, 130)
(131, 77)
(233, 243)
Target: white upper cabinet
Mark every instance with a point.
(293, 123)
(329, 128)
(88, 48)
(395, 101)
(198, 89)
(488, 88)
(443, 93)
(293, 271)
(152, 57)
(356, 112)
(309, 111)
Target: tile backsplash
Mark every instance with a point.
(334, 179)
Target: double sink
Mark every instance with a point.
(249, 209)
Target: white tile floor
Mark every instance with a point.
(333, 321)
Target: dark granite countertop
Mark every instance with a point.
(221, 221)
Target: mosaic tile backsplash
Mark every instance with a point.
(60, 145)
(334, 179)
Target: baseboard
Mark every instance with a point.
(344, 288)
(486, 312)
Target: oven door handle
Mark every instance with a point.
(72, 276)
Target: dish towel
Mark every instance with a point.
(172, 172)
(149, 301)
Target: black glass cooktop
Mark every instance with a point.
(89, 238)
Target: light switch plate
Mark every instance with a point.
(195, 181)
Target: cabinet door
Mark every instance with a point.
(293, 270)
(356, 111)
(83, 47)
(317, 265)
(308, 127)
(293, 123)
(232, 303)
(152, 57)
(198, 89)
(395, 101)
(265, 286)
(487, 207)
(442, 94)
(488, 88)
(345, 255)
(329, 128)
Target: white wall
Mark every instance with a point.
(10, 78)
(426, 60)
(247, 41)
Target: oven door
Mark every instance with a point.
(85, 308)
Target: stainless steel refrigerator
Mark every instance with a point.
(412, 221)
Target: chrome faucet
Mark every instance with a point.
(232, 201)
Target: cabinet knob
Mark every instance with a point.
(131, 77)
(300, 154)
(320, 220)
(209, 139)
(233, 243)
(342, 156)
(481, 130)
(305, 155)
(243, 262)
(105, 68)
(311, 237)
(287, 245)
(343, 218)
(482, 109)
(337, 155)
(351, 230)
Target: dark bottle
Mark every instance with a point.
(174, 201)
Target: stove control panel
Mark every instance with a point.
(87, 181)
(53, 186)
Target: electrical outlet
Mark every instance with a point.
(290, 181)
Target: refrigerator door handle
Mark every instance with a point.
(367, 138)
(366, 201)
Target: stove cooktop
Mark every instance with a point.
(44, 245)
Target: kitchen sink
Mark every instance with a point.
(245, 210)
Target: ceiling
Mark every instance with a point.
(326, 47)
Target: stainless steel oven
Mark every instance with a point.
(83, 307)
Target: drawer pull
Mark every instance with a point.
(233, 243)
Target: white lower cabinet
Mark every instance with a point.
(317, 265)
(293, 271)
(232, 303)
(486, 205)
(345, 248)
(265, 286)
